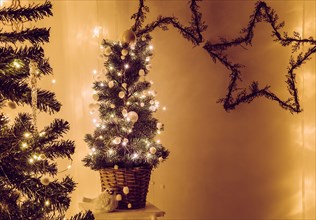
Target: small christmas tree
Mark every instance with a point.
(28, 189)
(124, 137)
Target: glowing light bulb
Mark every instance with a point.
(69, 167)
(2, 2)
(31, 160)
(93, 149)
(158, 141)
(101, 84)
(147, 59)
(164, 108)
(54, 81)
(111, 67)
(96, 31)
(24, 145)
(27, 135)
(47, 203)
(151, 47)
(94, 72)
(42, 134)
(16, 64)
(126, 66)
(110, 151)
(134, 156)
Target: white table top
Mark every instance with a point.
(150, 212)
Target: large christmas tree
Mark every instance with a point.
(28, 187)
(125, 131)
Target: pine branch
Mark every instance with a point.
(139, 16)
(83, 216)
(192, 33)
(30, 13)
(35, 35)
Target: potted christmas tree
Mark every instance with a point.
(123, 146)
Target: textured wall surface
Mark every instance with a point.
(256, 162)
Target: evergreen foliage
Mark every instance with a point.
(28, 187)
(126, 131)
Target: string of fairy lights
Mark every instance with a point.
(128, 116)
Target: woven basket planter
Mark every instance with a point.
(136, 179)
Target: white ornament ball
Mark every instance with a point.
(115, 167)
(125, 190)
(148, 67)
(160, 159)
(141, 72)
(45, 181)
(96, 105)
(152, 150)
(142, 104)
(112, 106)
(12, 105)
(159, 125)
(124, 52)
(152, 108)
(132, 116)
(124, 112)
(95, 97)
(129, 205)
(122, 57)
(107, 51)
(118, 197)
(91, 106)
(117, 140)
(142, 79)
(121, 94)
(125, 141)
(111, 84)
(129, 37)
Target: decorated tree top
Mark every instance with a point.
(126, 129)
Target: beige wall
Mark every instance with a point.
(256, 162)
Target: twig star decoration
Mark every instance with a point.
(236, 96)
(218, 51)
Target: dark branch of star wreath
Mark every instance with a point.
(217, 51)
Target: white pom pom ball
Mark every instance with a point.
(117, 140)
(107, 51)
(132, 116)
(152, 150)
(125, 190)
(95, 97)
(111, 84)
(121, 94)
(129, 37)
(118, 197)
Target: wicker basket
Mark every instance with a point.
(136, 179)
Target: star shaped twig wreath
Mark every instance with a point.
(262, 13)
(236, 96)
